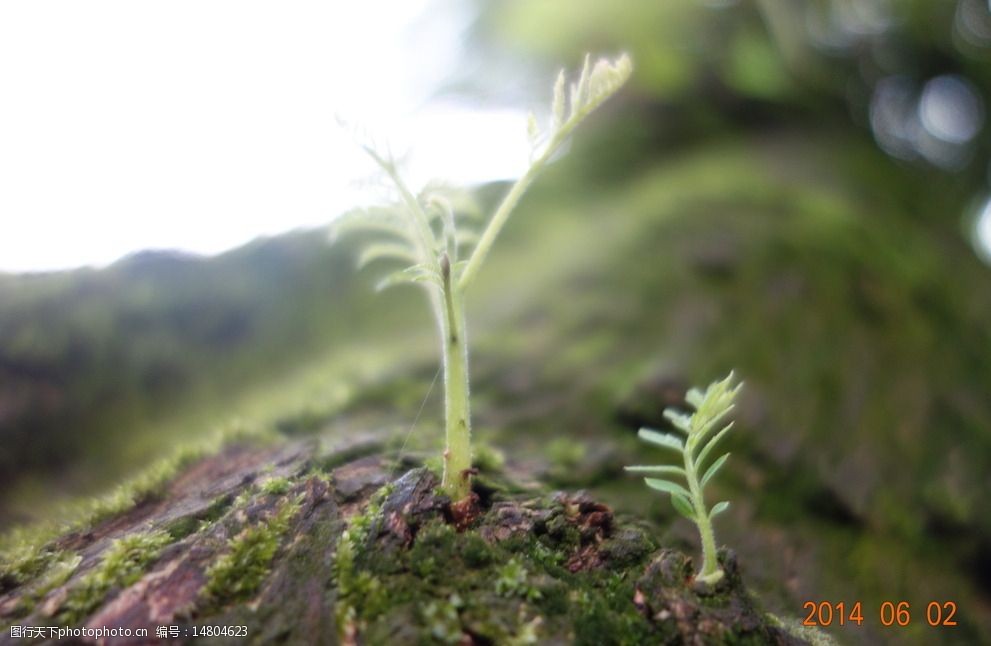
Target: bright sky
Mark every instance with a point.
(201, 124)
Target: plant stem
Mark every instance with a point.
(711, 572)
(495, 225)
(457, 456)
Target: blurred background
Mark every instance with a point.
(798, 190)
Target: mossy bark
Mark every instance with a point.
(530, 567)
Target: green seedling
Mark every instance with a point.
(429, 236)
(694, 444)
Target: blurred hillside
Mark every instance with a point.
(91, 357)
(771, 195)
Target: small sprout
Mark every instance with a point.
(432, 240)
(695, 443)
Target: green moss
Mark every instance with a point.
(147, 485)
(476, 552)
(434, 464)
(62, 565)
(24, 558)
(275, 486)
(433, 552)
(151, 482)
(270, 486)
(123, 563)
(359, 592)
(561, 533)
(59, 572)
(26, 552)
(605, 614)
(442, 621)
(512, 581)
(488, 459)
(359, 523)
(448, 584)
(629, 546)
(237, 574)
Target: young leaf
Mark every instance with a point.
(681, 421)
(606, 78)
(661, 439)
(370, 220)
(532, 130)
(694, 397)
(579, 91)
(558, 107)
(705, 427)
(704, 452)
(414, 274)
(667, 486)
(718, 508)
(683, 506)
(660, 469)
(610, 78)
(386, 251)
(711, 406)
(711, 471)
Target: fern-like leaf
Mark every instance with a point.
(386, 251)
(428, 235)
(595, 84)
(667, 486)
(382, 221)
(421, 273)
(662, 439)
(711, 408)
(680, 421)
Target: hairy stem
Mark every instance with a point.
(495, 225)
(711, 572)
(457, 456)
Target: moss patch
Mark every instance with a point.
(528, 570)
(122, 564)
(275, 486)
(237, 574)
(61, 567)
(26, 552)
